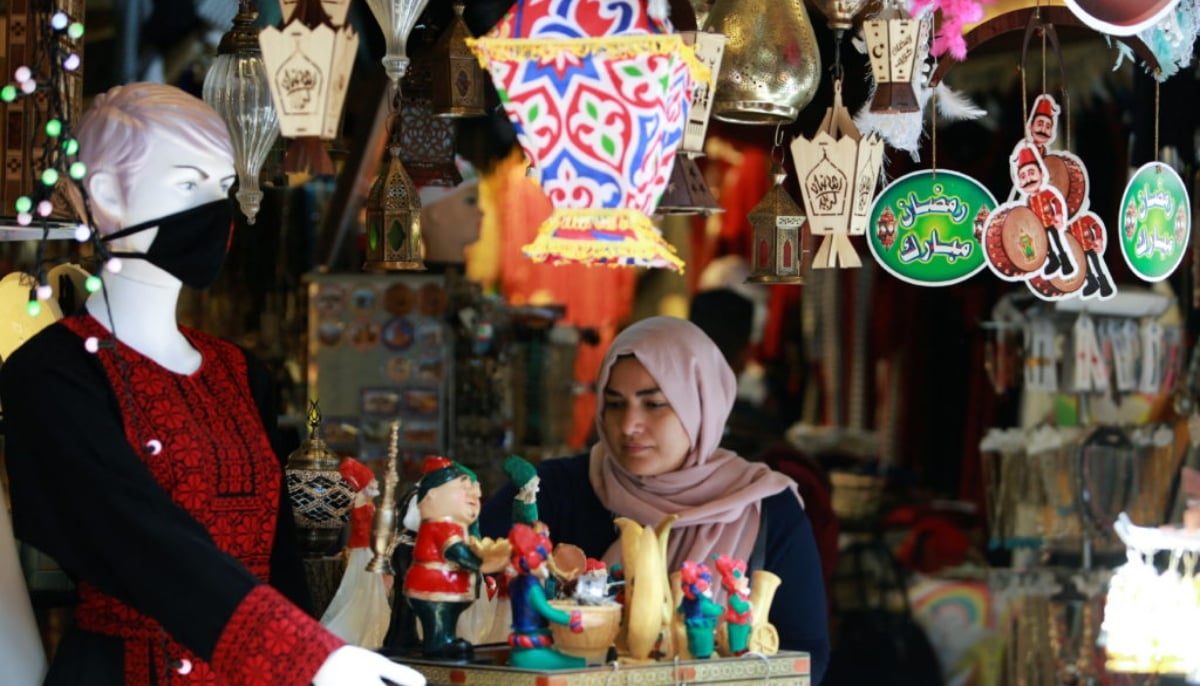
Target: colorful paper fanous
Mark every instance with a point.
(599, 92)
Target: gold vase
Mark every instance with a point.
(771, 68)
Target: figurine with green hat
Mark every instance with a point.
(526, 480)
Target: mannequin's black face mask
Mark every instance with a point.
(190, 245)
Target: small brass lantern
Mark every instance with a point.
(896, 46)
(393, 211)
(457, 78)
(885, 228)
(319, 496)
(778, 252)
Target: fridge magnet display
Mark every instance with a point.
(925, 227)
(363, 335)
(398, 299)
(1156, 221)
(420, 401)
(376, 429)
(420, 433)
(429, 336)
(330, 333)
(399, 369)
(330, 300)
(431, 300)
(362, 301)
(398, 334)
(380, 401)
(430, 370)
(340, 433)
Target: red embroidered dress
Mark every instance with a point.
(183, 549)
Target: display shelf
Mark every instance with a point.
(784, 668)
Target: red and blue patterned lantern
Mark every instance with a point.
(598, 91)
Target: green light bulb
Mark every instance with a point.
(50, 177)
(77, 170)
(8, 93)
(33, 307)
(53, 128)
(75, 30)
(24, 203)
(70, 146)
(92, 283)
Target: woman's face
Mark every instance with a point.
(640, 424)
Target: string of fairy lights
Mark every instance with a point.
(45, 79)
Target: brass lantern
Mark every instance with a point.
(777, 255)
(771, 67)
(308, 64)
(237, 87)
(426, 140)
(896, 46)
(393, 211)
(457, 77)
(319, 496)
(838, 170)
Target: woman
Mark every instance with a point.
(667, 392)
(138, 450)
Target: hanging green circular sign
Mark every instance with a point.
(925, 227)
(1155, 220)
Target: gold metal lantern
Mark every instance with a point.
(393, 211)
(457, 77)
(777, 256)
(771, 67)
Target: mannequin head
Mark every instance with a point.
(151, 150)
(450, 217)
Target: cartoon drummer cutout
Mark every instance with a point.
(1043, 122)
(1032, 183)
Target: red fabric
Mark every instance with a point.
(361, 519)
(270, 641)
(237, 501)
(430, 577)
(1048, 205)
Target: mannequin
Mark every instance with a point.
(139, 451)
(450, 219)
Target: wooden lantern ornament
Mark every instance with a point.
(838, 171)
(896, 46)
(308, 67)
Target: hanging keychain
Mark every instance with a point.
(1151, 344)
(1041, 373)
(1090, 372)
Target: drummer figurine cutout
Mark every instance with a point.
(1043, 122)
(1047, 203)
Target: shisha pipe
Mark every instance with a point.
(385, 532)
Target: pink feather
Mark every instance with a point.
(955, 15)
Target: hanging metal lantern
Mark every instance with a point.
(237, 87)
(308, 62)
(838, 171)
(896, 44)
(427, 141)
(771, 68)
(457, 77)
(319, 496)
(777, 255)
(396, 18)
(393, 211)
(885, 228)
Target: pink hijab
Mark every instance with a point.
(717, 494)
